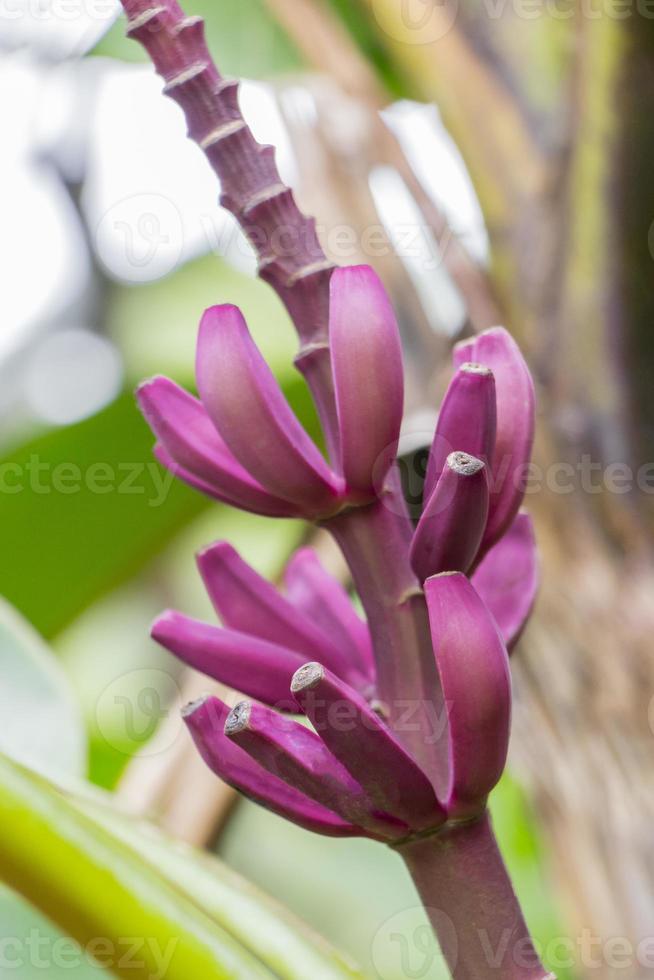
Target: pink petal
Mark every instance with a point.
(368, 375)
(247, 602)
(507, 579)
(260, 669)
(368, 749)
(452, 524)
(474, 672)
(249, 410)
(514, 390)
(296, 755)
(205, 720)
(264, 504)
(193, 450)
(466, 421)
(324, 600)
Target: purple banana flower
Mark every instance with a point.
(360, 771)
(467, 421)
(260, 651)
(488, 415)
(206, 719)
(298, 756)
(324, 600)
(507, 579)
(410, 709)
(189, 445)
(366, 746)
(515, 407)
(366, 360)
(265, 637)
(467, 644)
(453, 521)
(242, 444)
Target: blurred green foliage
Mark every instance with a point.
(243, 37)
(86, 507)
(155, 325)
(91, 510)
(42, 721)
(103, 878)
(368, 40)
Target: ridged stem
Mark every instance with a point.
(463, 883)
(289, 253)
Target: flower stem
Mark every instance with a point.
(290, 256)
(375, 542)
(463, 883)
(251, 188)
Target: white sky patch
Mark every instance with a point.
(56, 29)
(44, 261)
(417, 250)
(438, 164)
(72, 374)
(151, 196)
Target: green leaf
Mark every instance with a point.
(287, 945)
(96, 883)
(84, 507)
(30, 943)
(41, 721)
(88, 507)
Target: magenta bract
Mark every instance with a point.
(514, 391)
(473, 667)
(205, 720)
(242, 444)
(366, 357)
(467, 421)
(507, 579)
(453, 521)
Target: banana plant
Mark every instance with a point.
(411, 709)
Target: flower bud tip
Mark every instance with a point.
(307, 677)
(464, 464)
(192, 706)
(238, 718)
(471, 367)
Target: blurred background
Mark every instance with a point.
(493, 160)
